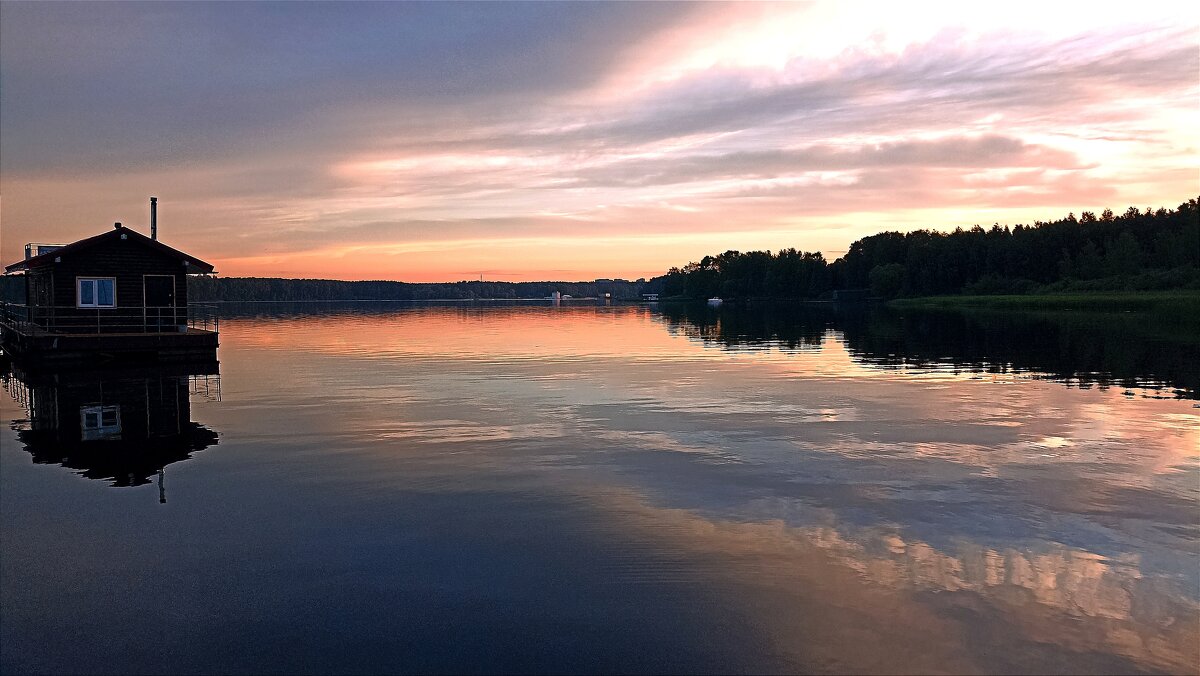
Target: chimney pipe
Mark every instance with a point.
(154, 218)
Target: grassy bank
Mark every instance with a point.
(1185, 303)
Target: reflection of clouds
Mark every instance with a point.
(1074, 581)
(1070, 598)
(817, 399)
(790, 484)
(464, 431)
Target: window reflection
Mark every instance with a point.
(124, 424)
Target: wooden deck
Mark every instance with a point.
(69, 336)
(99, 348)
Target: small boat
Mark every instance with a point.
(714, 301)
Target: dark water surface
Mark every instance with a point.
(633, 489)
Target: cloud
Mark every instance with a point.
(986, 151)
(126, 85)
(286, 128)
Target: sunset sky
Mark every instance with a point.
(444, 141)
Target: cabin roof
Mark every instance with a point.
(194, 265)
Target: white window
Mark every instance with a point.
(96, 291)
(100, 422)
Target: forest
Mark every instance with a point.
(213, 289)
(1134, 251)
(205, 289)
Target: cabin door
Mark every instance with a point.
(159, 292)
(41, 298)
(163, 406)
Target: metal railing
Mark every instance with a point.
(60, 319)
(203, 317)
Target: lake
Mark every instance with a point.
(585, 488)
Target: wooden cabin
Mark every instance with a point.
(118, 293)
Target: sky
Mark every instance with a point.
(574, 141)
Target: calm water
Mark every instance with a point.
(577, 488)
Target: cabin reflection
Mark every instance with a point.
(120, 425)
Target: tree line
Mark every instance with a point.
(1137, 250)
(204, 289)
(233, 289)
(1087, 348)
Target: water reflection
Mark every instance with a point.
(123, 424)
(955, 608)
(1081, 348)
(1084, 349)
(566, 488)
